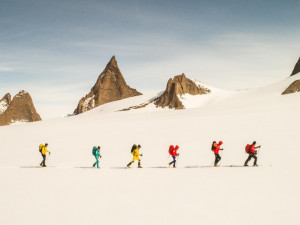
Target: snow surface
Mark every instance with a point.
(69, 191)
(3, 106)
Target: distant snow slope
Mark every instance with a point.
(71, 193)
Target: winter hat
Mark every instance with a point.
(254, 143)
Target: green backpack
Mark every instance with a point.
(94, 150)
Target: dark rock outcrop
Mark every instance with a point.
(297, 68)
(21, 109)
(110, 86)
(4, 103)
(176, 87)
(293, 88)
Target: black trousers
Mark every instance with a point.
(44, 160)
(217, 158)
(249, 158)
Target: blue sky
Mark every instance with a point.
(56, 49)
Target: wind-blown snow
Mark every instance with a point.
(194, 193)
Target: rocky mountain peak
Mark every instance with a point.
(176, 87)
(110, 86)
(296, 68)
(293, 88)
(20, 109)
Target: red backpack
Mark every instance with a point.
(171, 149)
(247, 148)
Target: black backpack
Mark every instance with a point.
(133, 148)
(212, 146)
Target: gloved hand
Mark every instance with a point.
(100, 156)
(141, 154)
(222, 149)
(49, 153)
(178, 154)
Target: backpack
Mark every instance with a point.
(133, 148)
(40, 148)
(247, 148)
(213, 147)
(94, 150)
(171, 149)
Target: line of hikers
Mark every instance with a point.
(135, 151)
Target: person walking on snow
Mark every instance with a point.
(174, 154)
(44, 150)
(96, 153)
(251, 150)
(136, 154)
(216, 148)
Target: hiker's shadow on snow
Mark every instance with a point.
(30, 167)
(34, 167)
(85, 167)
(119, 168)
(158, 167)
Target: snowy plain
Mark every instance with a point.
(69, 191)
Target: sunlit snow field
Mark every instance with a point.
(70, 191)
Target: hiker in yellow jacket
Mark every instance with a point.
(44, 150)
(136, 154)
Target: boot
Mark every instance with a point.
(169, 164)
(245, 164)
(255, 165)
(129, 165)
(139, 165)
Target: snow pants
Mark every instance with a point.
(97, 162)
(43, 163)
(174, 161)
(249, 158)
(135, 157)
(217, 159)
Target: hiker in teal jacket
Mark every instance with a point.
(96, 153)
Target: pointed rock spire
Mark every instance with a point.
(21, 109)
(296, 68)
(177, 87)
(110, 86)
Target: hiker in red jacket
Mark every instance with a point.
(216, 148)
(252, 153)
(174, 154)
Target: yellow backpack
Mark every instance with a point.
(41, 147)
